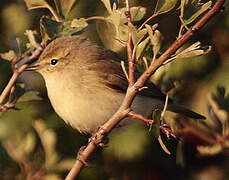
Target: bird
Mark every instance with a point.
(86, 84)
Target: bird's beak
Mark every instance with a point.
(33, 67)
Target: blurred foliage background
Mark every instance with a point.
(36, 144)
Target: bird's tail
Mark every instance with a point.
(185, 111)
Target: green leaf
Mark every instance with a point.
(180, 155)
(203, 8)
(155, 38)
(156, 125)
(8, 55)
(32, 40)
(164, 6)
(137, 36)
(36, 4)
(209, 150)
(30, 96)
(193, 50)
(107, 5)
(66, 6)
(51, 29)
(163, 145)
(28, 143)
(48, 139)
(137, 13)
(140, 48)
(80, 24)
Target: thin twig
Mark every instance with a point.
(140, 117)
(17, 72)
(147, 20)
(129, 47)
(132, 90)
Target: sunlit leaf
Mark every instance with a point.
(107, 5)
(193, 50)
(164, 6)
(137, 13)
(155, 38)
(209, 150)
(35, 4)
(163, 145)
(29, 143)
(48, 139)
(66, 6)
(31, 37)
(8, 55)
(80, 24)
(203, 9)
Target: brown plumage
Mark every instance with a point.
(86, 84)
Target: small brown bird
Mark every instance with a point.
(86, 84)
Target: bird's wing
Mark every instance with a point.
(111, 73)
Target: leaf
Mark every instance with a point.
(163, 145)
(137, 13)
(203, 8)
(210, 150)
(140, 48)
(156, 125)
(180, 155)
(164, 6)
(51, 29)
(137, 36)
(107, 5)
(155, 38)
(28, 143)
(36, 4)
(79, 23)
(31, 37)
(30, 96)
(8, 55)
(66, 6)
(193, 50)
(48, 139)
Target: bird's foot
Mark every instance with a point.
(96, 139)
(81, 157)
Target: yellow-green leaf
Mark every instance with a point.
(209, 150)
(66, 6)
(36, 4)
(140, 48)
(163, 145)
(164, 6)
(8, 55)
(203, 8)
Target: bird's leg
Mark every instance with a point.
(80, 156)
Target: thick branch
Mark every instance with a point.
(131, 91)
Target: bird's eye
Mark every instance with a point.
(54, 62)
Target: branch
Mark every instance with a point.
(17, 72)
(129, 46)
(124, 109)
